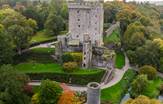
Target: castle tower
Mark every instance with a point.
(87, 52)
(93, 93)
(86, 16)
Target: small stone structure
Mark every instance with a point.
(87, 52)
(58, 51)
(93, 93)
(63, 40)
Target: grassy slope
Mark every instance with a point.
(41, 36)
(37, 55)
(116, 92)
(120, 60)
(43, 50)
(113, 38)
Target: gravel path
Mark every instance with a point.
(44, 45)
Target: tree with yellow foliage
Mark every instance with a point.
(68, 97)
(143, 100)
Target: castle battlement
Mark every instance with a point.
(84, 5)
(86, 2)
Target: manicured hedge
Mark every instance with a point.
(71, 78)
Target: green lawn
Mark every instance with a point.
(116, 92)
(49, 68)
(113, 38)
(36, 55)
(41, 36)
(120, 60)
(37, 71)
(153, 88)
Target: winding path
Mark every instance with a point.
(119, 73)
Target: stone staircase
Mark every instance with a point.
(107, 76)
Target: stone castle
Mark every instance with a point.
(85, 17)
(85, 33)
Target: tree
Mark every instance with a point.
(21, 36)
(110, 11)
(18, 27)
(143, 100)
(67, 97)
(33, 24)
(148, 54)
(39, 13)
(149, 71)
(12, 86)
(139, 85)
(146, 21)
(6, 48)
(11, 2)
(126, 16)
(159, 42)
(54, 24)
(49, 93)
(58, 14)
(134, 36)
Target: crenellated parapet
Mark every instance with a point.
(85, 4)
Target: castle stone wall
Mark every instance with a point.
(86, 17)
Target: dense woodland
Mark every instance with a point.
(140, 37)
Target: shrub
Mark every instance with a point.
(70, 66)
(35, 99)
(72, 56)
(67, 97)
(11, 86)
(143, 100)
(161, 89)
(28, 89)
(67, 58)
(77, 57)
(49, 93)
(139, 85)
(149, 71)
(82, 97)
